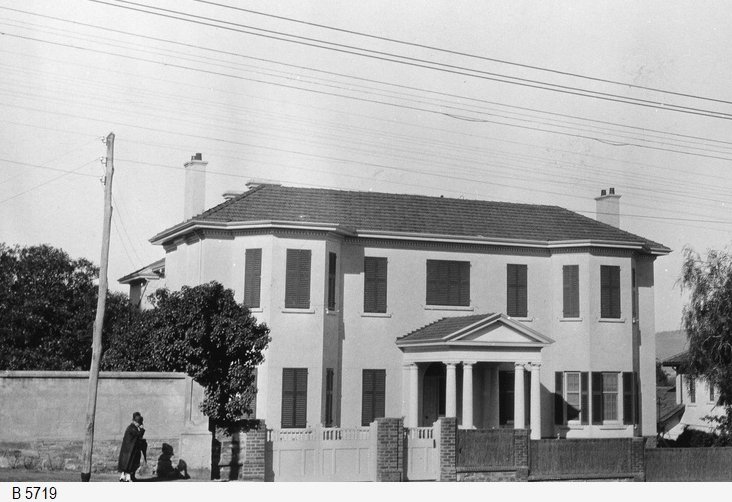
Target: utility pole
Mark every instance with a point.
(91, 403)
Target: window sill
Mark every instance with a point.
(298, 311)
(449, 307)
(331, 312)
(256, 310)
(522, 319)
(610, 320)
(573, 426)
(613, 426)
(375, 314)
(570, 319)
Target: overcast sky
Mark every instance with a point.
(289, 105)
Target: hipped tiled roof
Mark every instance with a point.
(443, 327)
(416, 214)
(680, 359)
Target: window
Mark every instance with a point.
(252, 277)
(294, 397)
(332, 281)
(570, 276)
(571, 397)
(692, 390)
(329, 397)
(604, 397)
(374, 284)
(448, 283)
(516, 291)
(297, 281)
(609, 292)
(373, 395)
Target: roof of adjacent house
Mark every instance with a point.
(443, 327)
(678, 360)
(667, 406)
(155, 270)
(359, 212)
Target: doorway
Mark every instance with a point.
(433, 394)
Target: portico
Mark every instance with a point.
(474, 368)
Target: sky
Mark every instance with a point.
(536, 102)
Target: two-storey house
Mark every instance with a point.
(383, 304)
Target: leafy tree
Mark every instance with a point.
(707, 318)
(662, 378)
(203, 332)
(47, 308)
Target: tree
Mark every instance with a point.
(47, 308)
(707, 318)
(203, 332)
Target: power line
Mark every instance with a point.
(420, 63)
(308, 68)
(73, 171)
(459, 53)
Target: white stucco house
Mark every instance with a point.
(380, 304)
(697, 396)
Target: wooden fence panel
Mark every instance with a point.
(580, 458)
(482, 448)
(689, 464)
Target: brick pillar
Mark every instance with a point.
(638, 458)
(521, 454)
(389, 449)
(448, 438)
(253, 465)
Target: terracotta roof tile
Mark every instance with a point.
(443, 327)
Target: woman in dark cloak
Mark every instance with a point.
(133, 447)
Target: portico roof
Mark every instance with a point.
(493, 329)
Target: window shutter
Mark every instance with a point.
(374, 292)
(628, 390)
(379, 393)
(301, 400)
(367, 397)
(448, 283)
(570, 281)
(558, 398)
(585, 398)
(516, 290)
(597, 410)
(252, 277)
(615, 292)
(297, 279)
(332, 266)
(609, 292)
(288, 398)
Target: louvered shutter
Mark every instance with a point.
(516, 291)
(332, 266)
(252, 277)
(610, 292)
(297, 279)
(628, 391)
(288, 398)
(448, 283)
(379, 393)
(615, 292)
(301, 397)
(585, 398)
(604, 291)
(570, 281)
(464, 287)
(558, 398)
(597, 411)
(436, 272)
(374, 292)
(367, 397)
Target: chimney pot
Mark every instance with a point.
(612, 191)
(603, 192)
(194, 201)
(197, 156)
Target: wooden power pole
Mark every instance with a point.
(91, 403)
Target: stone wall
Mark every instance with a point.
(42, 418)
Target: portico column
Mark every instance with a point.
(519, 410)
(450, 391)
(412, 418)
(535, 409)
(468, 394)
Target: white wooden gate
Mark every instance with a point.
(422, 461)
(322, 454)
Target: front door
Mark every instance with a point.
(433, 394)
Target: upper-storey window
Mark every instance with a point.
(609, 292)
(516, 294)
(374, 284)
(570, 279)
(252, 277)
(332, 260)
(297, 281)
(448, 283)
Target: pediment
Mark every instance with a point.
(496, 333)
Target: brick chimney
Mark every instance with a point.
(608, 207)
(195, 187)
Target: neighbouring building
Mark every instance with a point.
(381, 304)
(697, 397)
